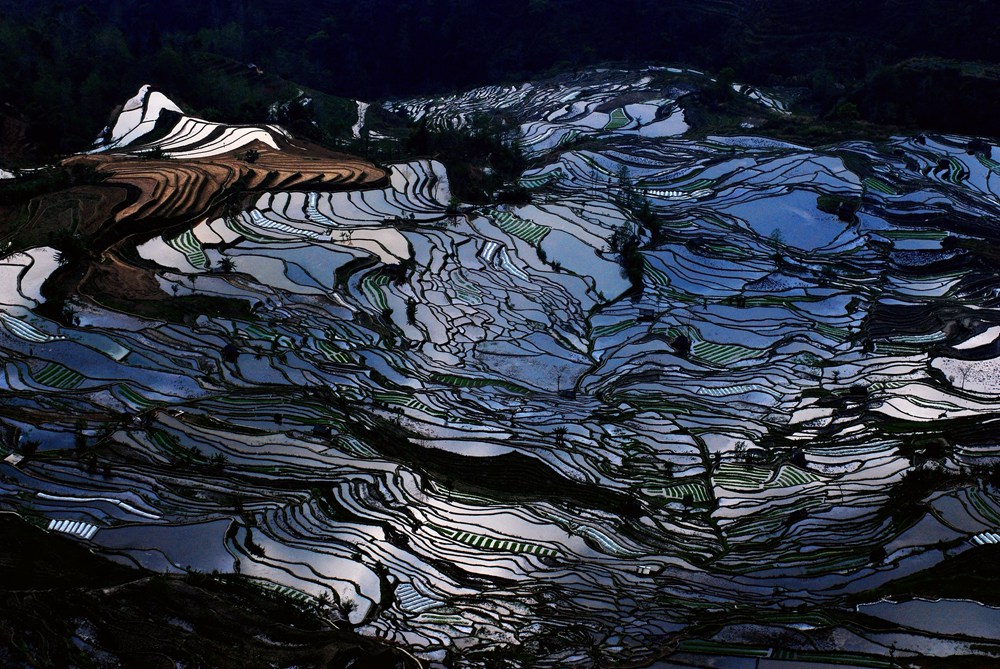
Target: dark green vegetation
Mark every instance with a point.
(483, 158)
(48, 180)
(843, 207)
(848, 59)
(61, 606)
(925, 92)
(970, 575)
(510, 476)
(179, 309)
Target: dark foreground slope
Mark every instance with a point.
(62, 606)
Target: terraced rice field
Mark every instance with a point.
(466, 426)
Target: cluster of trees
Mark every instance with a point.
(626, 244)
(925, 93)
(626, 240)
(483, 158)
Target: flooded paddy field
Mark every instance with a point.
(469, 431)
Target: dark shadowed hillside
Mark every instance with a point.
(67, 63)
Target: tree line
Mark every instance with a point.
(68, 62)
